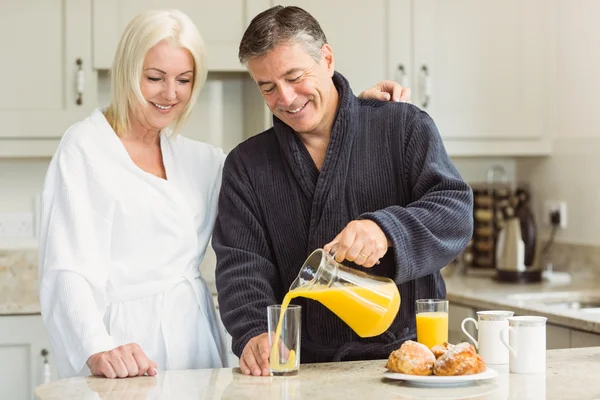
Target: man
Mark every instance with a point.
(368, 177)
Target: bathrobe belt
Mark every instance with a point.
(146, 289)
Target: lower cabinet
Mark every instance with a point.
(584, 339)
(456, 314)
(557, 337)
(24, 349)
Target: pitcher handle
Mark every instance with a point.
(504, 340)
(462, 326)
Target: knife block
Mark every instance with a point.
(493, 204)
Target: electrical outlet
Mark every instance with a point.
(17, 225)
(551, 206)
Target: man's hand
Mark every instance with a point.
(387, 90)
(361, 241)
(121, 362)
(255, 357)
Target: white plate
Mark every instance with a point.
(433, 380)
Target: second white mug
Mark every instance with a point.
(489, 324)
(525, 337)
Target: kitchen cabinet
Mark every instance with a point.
(584, 339)
(456, 315)
(481, 70)
(48, 82)
(358, 34)
(557, 337)
(22, 339)
(221, 24)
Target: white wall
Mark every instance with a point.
(571, 173)
(20, 181)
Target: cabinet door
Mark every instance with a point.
(481, 66)
(221, 24)
(356, 31)
(22, 339)
(557, 337)
(43, 39)
(584, 339)
(456, 314)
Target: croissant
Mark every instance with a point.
(461, 359)
(411, 358)
(440, 349)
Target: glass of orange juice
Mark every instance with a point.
(432, 321)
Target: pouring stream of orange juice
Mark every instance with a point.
(369, 311)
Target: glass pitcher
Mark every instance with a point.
(367, 303)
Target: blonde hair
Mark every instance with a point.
(141, 34)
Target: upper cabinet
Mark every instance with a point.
(484, 70)
(48, 81)
(221, 23)
(481, 70)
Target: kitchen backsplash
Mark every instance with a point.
(19, 278)
(19, 286)
(578, 259)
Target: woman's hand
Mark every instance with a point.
(387, 90)
(121, 362)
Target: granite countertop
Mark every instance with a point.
(567, 377)
(480, 291)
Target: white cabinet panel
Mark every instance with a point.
(15, 376)
(221, 24)
(39, 87)
(486, 66)
(577, 66)
(399, 42)
(22, 339)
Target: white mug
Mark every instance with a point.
(526, 343)
(489, 324)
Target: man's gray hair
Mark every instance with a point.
(280, 25)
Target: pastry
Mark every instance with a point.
(462, 359)
(411, 358)
(440, 349)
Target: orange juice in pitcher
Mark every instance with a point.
(369, 311)
(366, 303)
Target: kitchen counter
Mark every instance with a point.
(568, 376)
(480, 291)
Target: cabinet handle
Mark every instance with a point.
(425, 86)
(46, 373)
(80, 81)
(402, 77)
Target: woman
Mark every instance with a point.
(128, 207)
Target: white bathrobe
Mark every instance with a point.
(120, 251)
